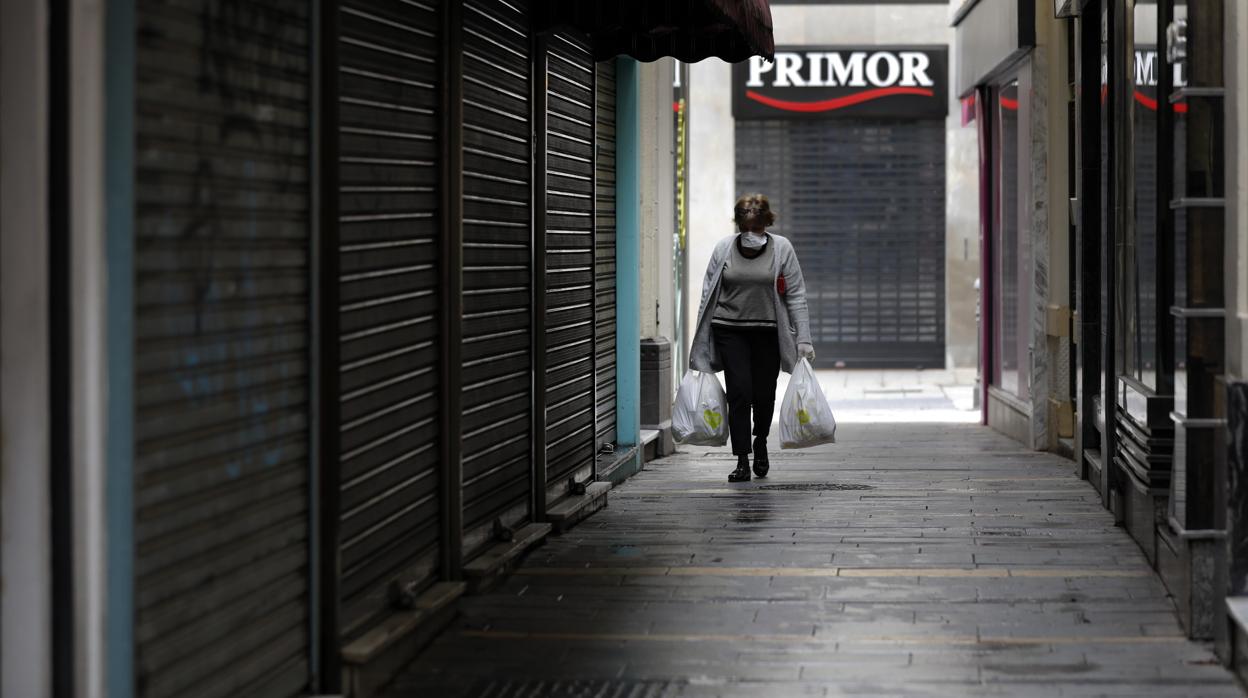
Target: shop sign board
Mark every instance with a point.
(809, 82)
(1148, 64)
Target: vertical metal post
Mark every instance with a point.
(1072, 238)
(60, 420)
(593, 262)
(537, 324)
(1164, 269)
(1089, 227)
(120, 27)
(628, 253)
(987, 224)
(316, 422)
(1111, 38)
(330, 608)
(451, 321)
(1127, 276)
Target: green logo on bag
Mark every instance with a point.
(714, 419)
(803, 417)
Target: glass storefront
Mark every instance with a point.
(1156, 110)
(1010, 246)
(1137, 316)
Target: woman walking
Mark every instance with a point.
(752, 323)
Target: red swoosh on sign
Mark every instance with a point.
(1152, 103)
(839, 102)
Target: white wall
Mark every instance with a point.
(711, 170)
(25, 579)
(658, 205)
(712, 164)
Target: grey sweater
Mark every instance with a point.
(792, 316)
(745, 290)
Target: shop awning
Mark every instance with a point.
(647, 30)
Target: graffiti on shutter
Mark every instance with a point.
(222, 237)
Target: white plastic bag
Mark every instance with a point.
(700, 415)
(805, 417)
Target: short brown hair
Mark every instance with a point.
(759, 201)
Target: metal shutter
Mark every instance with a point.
(388, 302)
(221, 349)
(497, 275)
(570, 308)
(863, 201)
(604, 250)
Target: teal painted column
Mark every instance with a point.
(119, 251)
(628, 253)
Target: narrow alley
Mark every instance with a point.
(915, 559)
(347, 346)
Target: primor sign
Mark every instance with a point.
(833, 82)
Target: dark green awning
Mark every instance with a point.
(689, 30)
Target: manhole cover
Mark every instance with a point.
(585, 688)
(816, 487)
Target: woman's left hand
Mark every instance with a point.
(806, 351)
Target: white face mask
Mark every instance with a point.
(753, 241)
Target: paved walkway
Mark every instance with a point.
(890, 396)
(917, 560)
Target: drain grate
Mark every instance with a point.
(816, 487)
(578, 688)
(774, 456)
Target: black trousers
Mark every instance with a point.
(751, 359)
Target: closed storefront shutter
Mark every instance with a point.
(863, 201)
(221, 479)
(388, 271)
(604, 252)
(570, 308)
(497, 250)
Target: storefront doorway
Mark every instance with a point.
(863, 200)
(854, 163)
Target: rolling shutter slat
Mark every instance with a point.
(604, 263)
(388, 302)
(570, 303)
(497, 390)
(221, 236)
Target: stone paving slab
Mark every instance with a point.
(906, 560)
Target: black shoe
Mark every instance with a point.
(742, 473)
(761, 463)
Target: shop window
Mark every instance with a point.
(1010, 294)
(1137, 251)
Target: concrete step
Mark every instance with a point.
(573, 508)
(617, 467)
(489, 568)
(374, 659)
